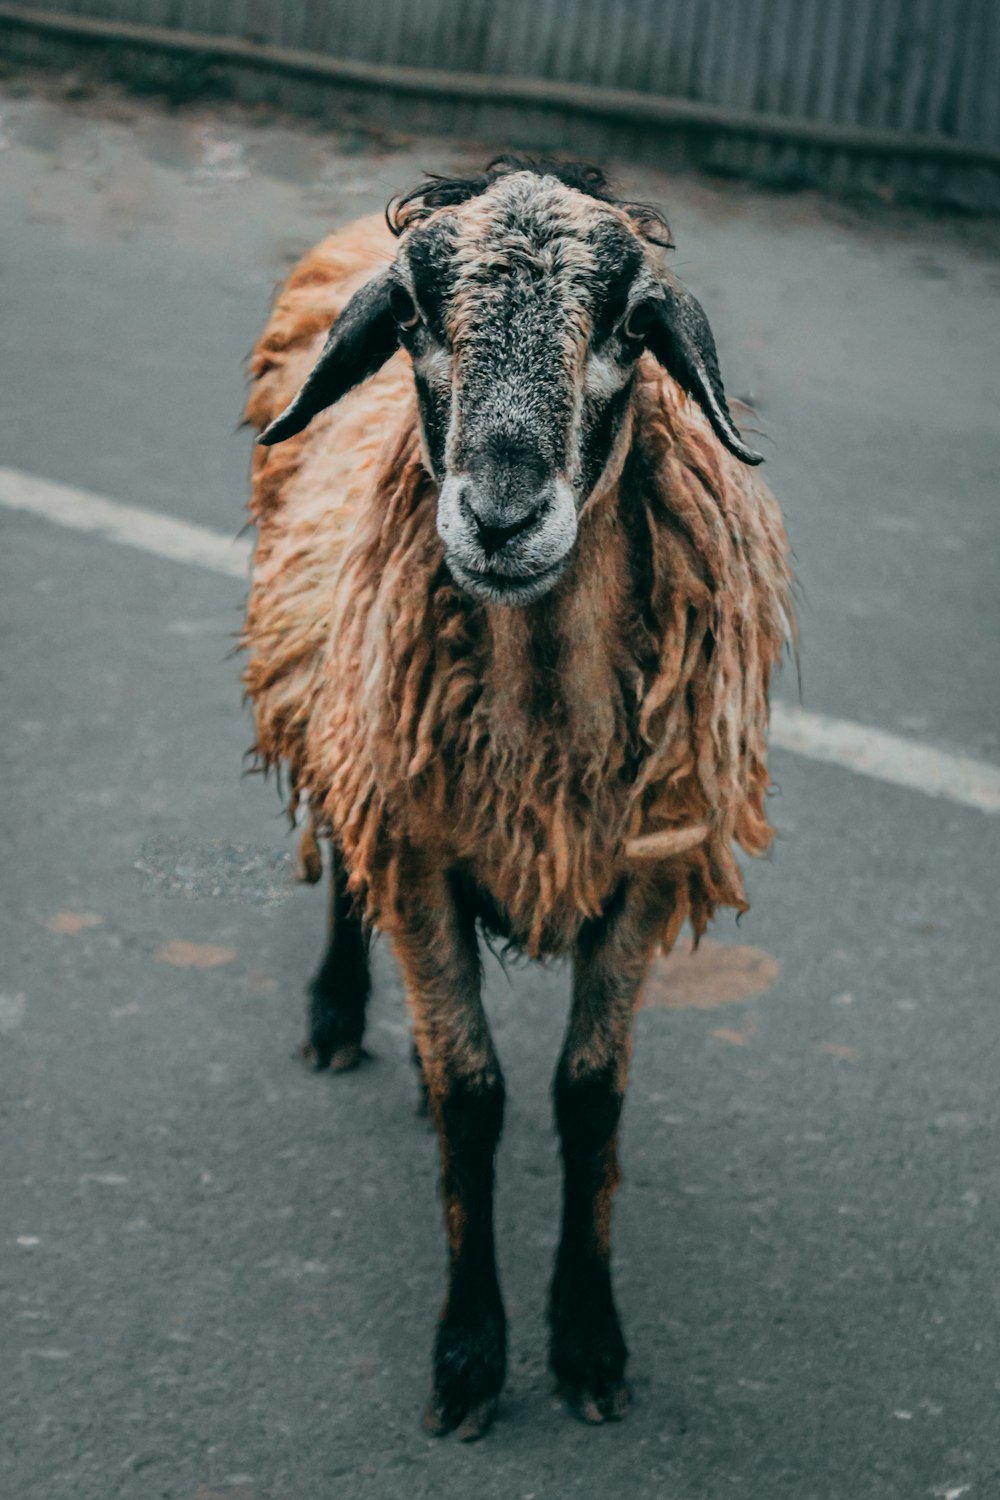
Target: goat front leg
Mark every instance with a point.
(438, 952)
(587, 1349)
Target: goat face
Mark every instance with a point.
(514, 308)
(524, 305)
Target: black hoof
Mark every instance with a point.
(474, 1425)
(587, 1351)
(470, 1362)
(335, 1023)
(337, 1057)
(596, 1406)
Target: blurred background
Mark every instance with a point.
(896, 97)
(218, 1273)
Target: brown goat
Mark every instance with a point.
(513, 617)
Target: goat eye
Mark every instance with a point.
(403, 307)
(639, 321)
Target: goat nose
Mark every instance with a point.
(492, 537)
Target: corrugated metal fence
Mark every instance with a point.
(899, 94)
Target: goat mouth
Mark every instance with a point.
(491, 587)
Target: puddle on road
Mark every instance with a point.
(69, 923)
(714, 974)
(184, 955)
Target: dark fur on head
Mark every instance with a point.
(526, 298)
(443, 192)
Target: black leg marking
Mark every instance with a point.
(587, 1349)
(439, 956)
(470, 1351)
(338, 993)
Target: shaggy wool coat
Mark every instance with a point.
(618, 725)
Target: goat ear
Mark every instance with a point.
(360, 342)
(682, 341)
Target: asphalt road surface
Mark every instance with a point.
(219, 1274)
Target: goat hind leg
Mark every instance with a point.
(338, 992)
(423, 1092)
(587, 1349)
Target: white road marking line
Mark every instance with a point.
(839, 742)
(181, 541)
(887, 757)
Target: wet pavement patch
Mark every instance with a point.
(12, 1012)
(840, 1051)
(713, 974)
(242, 1492)
(184, 955)
(737, 1036)
(238, 872)
(69, 923)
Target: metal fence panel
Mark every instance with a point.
(929, 67)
